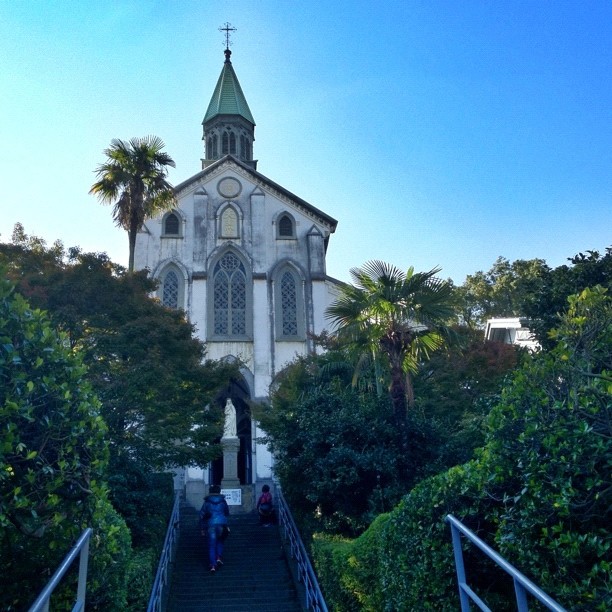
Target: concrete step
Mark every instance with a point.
(255, 575)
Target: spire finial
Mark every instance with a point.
(227, 28)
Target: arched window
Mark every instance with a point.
(212, 147)
(289, 305)
(230, 299)
(171, 224)
(170, 290)
(232, 143)
(285, 227)
(225, 147)
(229, 223)
(171, 287)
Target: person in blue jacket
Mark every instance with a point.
(213, 516)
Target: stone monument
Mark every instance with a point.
(231, 445)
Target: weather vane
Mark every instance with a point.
(227, 28)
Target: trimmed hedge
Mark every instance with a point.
(538, 492)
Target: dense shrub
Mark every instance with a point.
(539, 492)
(52, 463)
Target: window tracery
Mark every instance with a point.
(229, 297)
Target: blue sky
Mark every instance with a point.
(437, 133)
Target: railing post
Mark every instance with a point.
(521, 597)
(82, 584)
(460, 568)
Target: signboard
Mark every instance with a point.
(233, 497)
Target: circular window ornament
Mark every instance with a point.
(229, 187)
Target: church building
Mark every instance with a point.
(245, 259)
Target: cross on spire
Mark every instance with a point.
(227, 28)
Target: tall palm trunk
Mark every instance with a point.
(136, 221)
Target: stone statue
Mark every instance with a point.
(229, 427)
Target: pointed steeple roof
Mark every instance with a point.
(228, 99)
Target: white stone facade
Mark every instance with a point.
(229, 208)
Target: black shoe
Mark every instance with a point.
(213, 569)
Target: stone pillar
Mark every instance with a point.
(231, 446)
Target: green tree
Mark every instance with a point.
(52, 463)
(133, 180)
(456, 389)
(544, 305)
(335, 447)
(144, 362)
(501, 291)
(399, 316)
(539, 492)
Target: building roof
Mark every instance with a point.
(263, 180)
(228, 99)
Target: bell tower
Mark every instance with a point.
(229, 127)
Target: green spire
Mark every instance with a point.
(228, 98)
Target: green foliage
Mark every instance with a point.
(52, 460)
(539, 491)
(146, 367)
(335, 455)
(145, 500)
(544, 305)
(395, 318)
(142, 568)
(348, 569)
(550, 443)
(144, 362)
(133, 179)
(455, 390)
(531, 289)
(501, 291)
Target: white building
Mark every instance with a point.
(513, 330)
(245, 259)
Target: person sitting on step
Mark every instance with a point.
(265, 507)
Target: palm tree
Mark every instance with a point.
(396, 316)
(133, 179)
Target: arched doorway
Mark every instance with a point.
(238, 392)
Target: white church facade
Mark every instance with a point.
(245, 259)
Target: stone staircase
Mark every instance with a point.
(255, 575)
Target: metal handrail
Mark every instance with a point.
(306, 574)
(162, 577)
(522, 584)
(81, 549)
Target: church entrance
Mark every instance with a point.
(239, 395)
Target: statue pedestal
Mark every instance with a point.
(231, 446)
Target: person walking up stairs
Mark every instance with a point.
(254, 575)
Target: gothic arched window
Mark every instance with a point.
(171, 224)
(232, 143)
(225, 144)
(231, 301)
(171, 287)
(289, 305)
(212, 147)
(229, 223)
(285, 226)
(170, 290)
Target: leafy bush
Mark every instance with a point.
(539, 492)
(52, 462)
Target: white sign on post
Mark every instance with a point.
(233, 497)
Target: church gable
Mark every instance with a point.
(230, 202)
